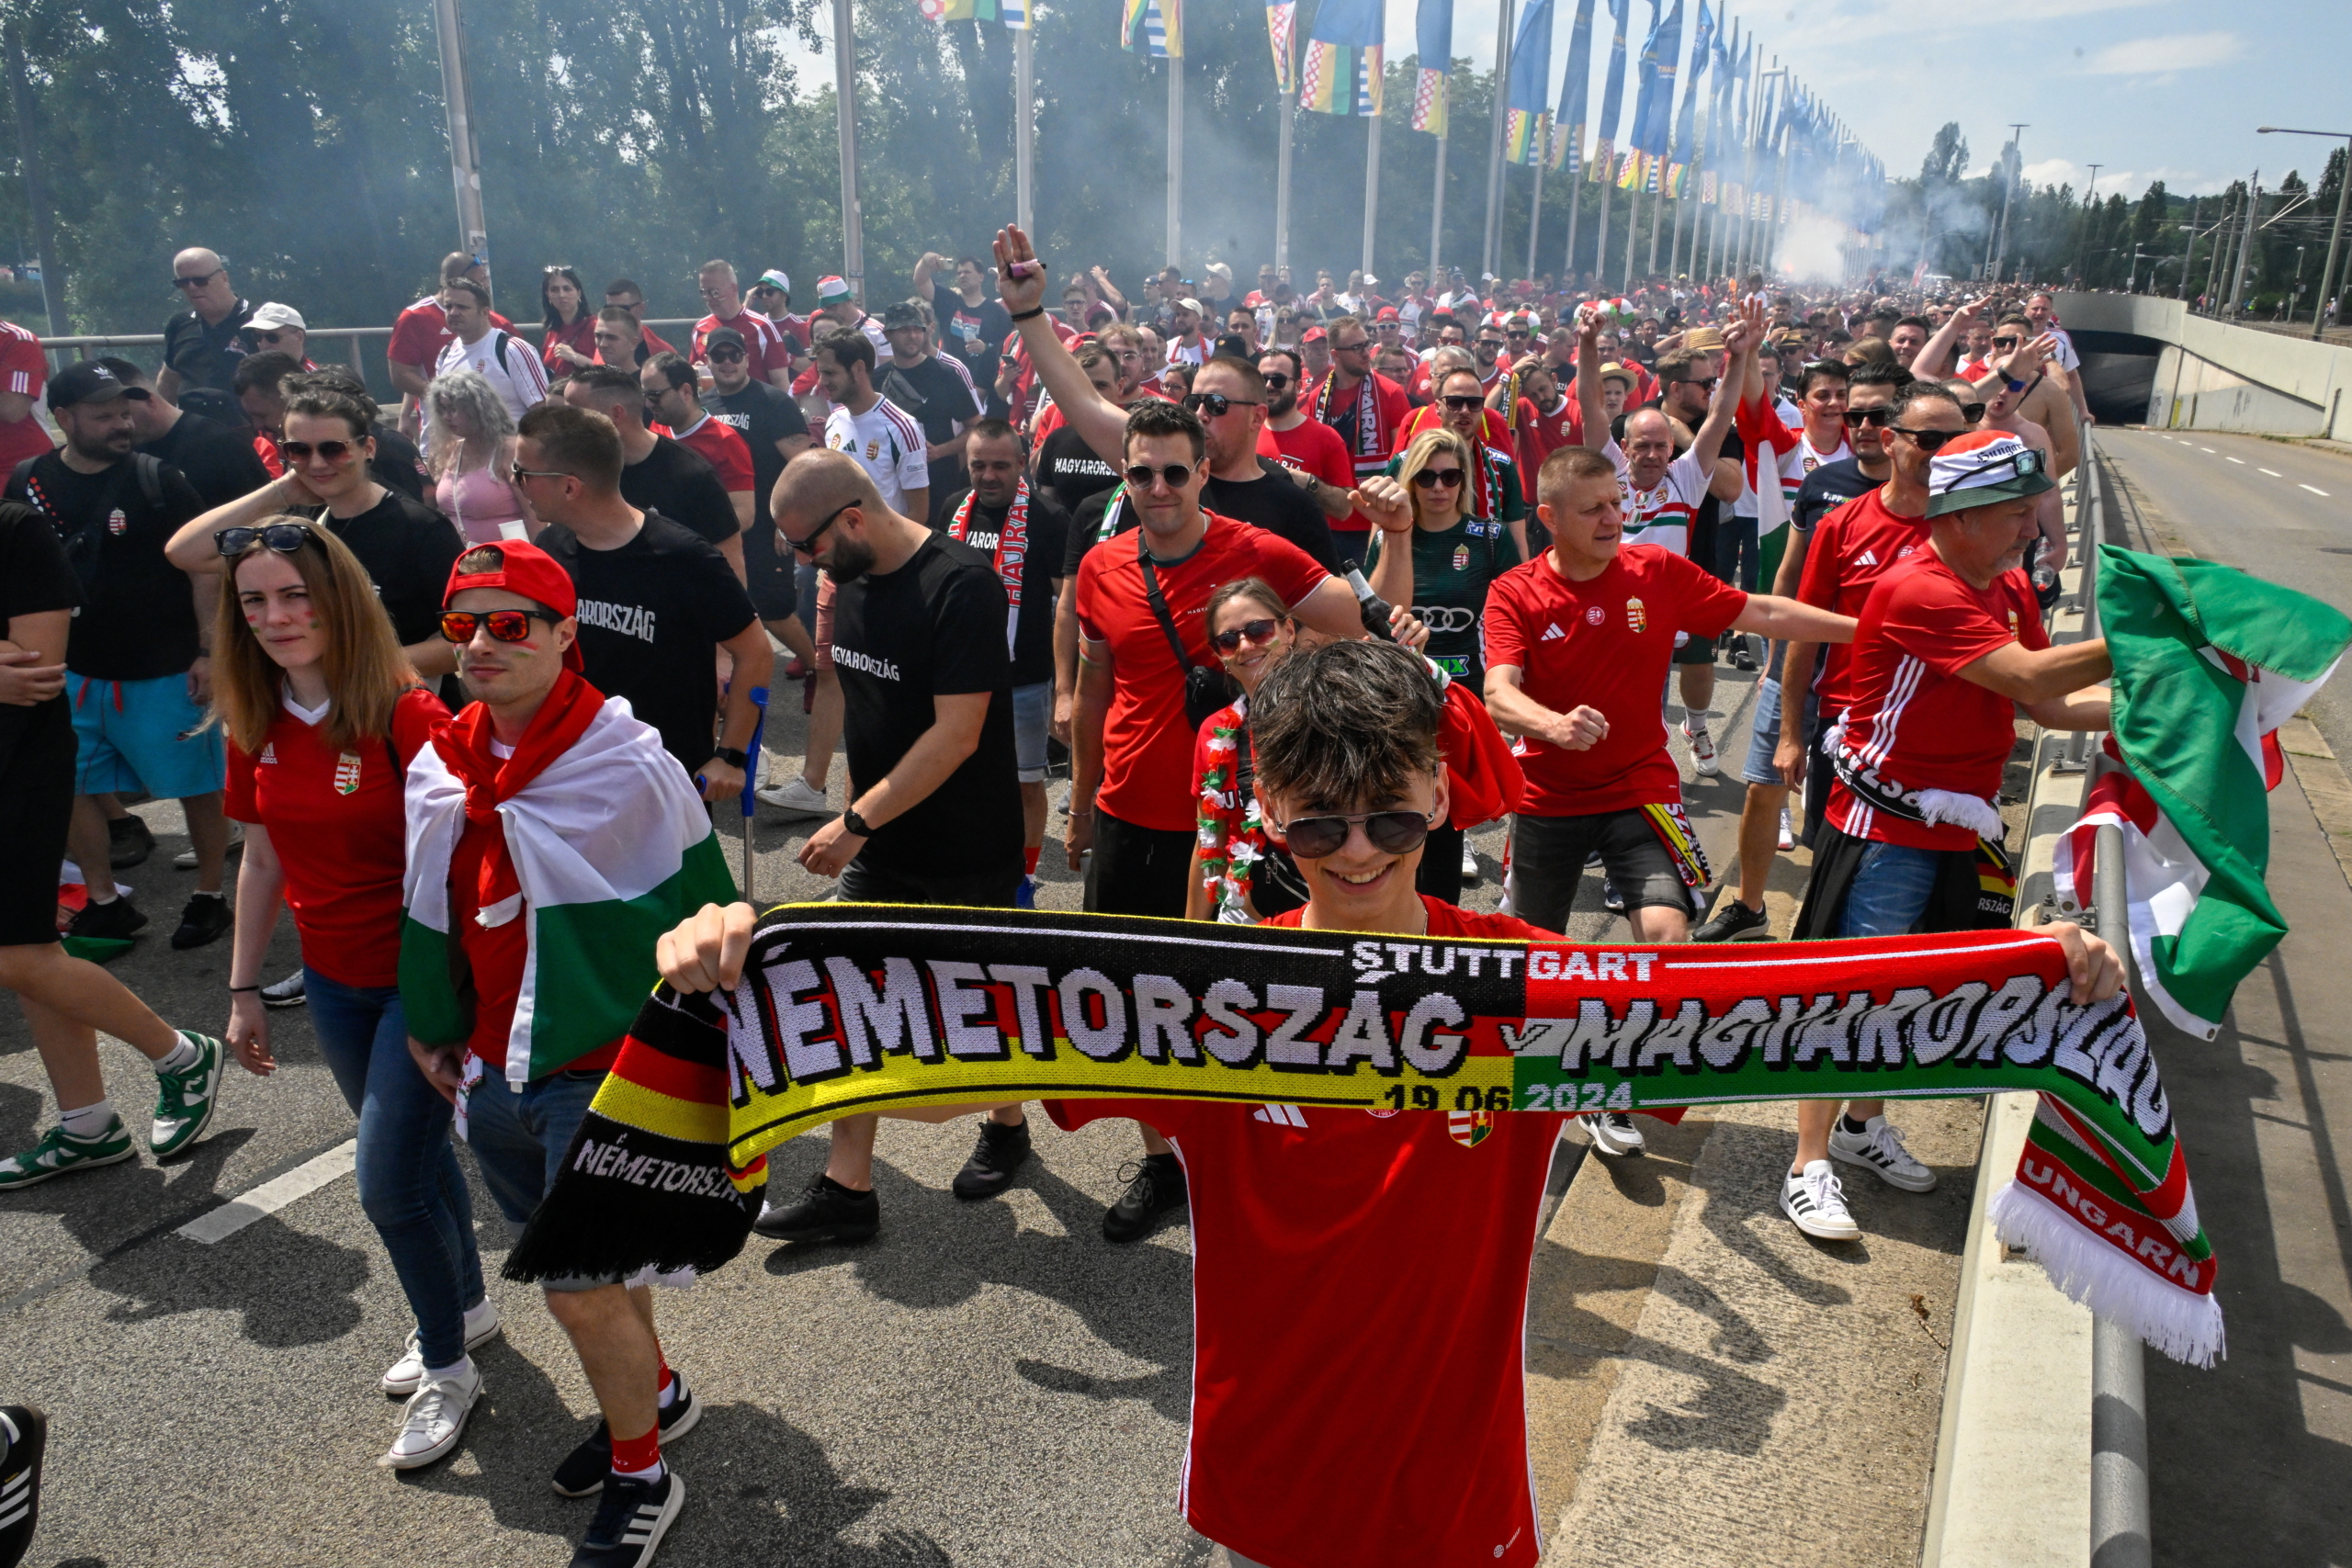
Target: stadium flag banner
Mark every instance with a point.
(1433, 40)
(1017, 16)
(1519, 135)
(1604, 159)
(1282, 29)
(1628, 176)
(1343, 70)
(1575, 91)
(957, 10)
(848, 1009)
(2209, 663)
(1531, 65)
(1612, 95)
(1153, 27)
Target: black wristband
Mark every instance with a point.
(856, 824)
(732, 757)
(1028, 315)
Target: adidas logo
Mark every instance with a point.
(1280, 1116)
(1868, 558)
(1551, 632)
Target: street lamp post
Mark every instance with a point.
(2083, 251)
(2335, 233)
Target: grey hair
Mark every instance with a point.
(469, 395)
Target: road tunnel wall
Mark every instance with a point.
(2209, 376)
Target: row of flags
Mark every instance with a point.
(1702, 146)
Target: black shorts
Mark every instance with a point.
(36, 806)
(1698, 651)
(1547, 856)
(1818, 771)
(863, 883)
(772, 582)
(1440, 873)
(1138, 871)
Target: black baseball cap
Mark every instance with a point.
(88, 382)
(901, 316)
(722, 337)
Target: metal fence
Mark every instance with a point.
(349, 341)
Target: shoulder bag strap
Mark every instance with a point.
(1160, 605)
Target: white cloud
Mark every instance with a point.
(2155, 56)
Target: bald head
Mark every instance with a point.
(815, 485)
(203, 281)
(194, 261)
(1648, 424)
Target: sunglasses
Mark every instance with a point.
(1928, 441)
(1463, 404)
(1277, 381)
(1140, 474)
(517, 473)
(283, 538)
(1707, 386)
(1519, 336)
(1877, 419)
(1391, 833)
(1356, 347)
(2004, 343)
(1972, 412)
(1257, 631)
(1438, 479)
(199, 280)
(505, 626)
(1217, 405)
(727, 357)
(807, 546)
(303, 451)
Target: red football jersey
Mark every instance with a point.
(1604, 644)
(1541, 434)
(1316, 447)
(422, 332)
(1358, 1365)
(725, 448)
(1851, 549)
(768, 350)
(1911, 720)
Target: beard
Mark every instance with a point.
(851, 560)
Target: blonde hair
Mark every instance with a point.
(366, 671)
(1435, 439)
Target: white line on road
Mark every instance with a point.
(2239, 461)
(2314, 489)
(2272, 472)
(219, 1224)
(2205, 449)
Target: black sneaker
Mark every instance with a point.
(287, 993)
(1155, 1190)
(1610, 898)
(1001, 1151)
(129, 841)
(586, 1468)
(1734, 921)
(826, 1212)
(206, 918)
(632, 1521)
(119, 918)
(24, 1436)
(1741, 657)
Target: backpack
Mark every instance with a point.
(85, 546)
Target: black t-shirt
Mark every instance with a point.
(398, 464)
(1273, 502)
(973, 333)
(1826, 489)
(934, 627)
(1033, 651)
(1072, 469)
(219, 463)
(935, 397)
(763, 414)
(207, 357)
(679, 483)
(138, 622)
(1707, 522)
(34, 577)
(408, 549)
(651, 612)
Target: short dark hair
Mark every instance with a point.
(1347, 725)
(264, 370)
(324, 396)
(848, 346)
(1672, 368)
(1565, 467)
(1890, 376)
(675, 368)
(1287, 353)
(1919, 321)
(2016, 319)
(1835, 370)
(617, 314)
(468, 285)
(1251, 382)
(579, 441)
(623, 285)
(992, 429)
(1156, 416)
(1920, 391)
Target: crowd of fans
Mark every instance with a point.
(1020, 527)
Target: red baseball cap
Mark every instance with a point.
(1312, 335)
(1387, 313)
(519, 568)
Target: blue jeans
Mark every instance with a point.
(519, 1140)
(1890, 890)
(409, 1184)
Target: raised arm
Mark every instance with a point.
(1589, 403)
(1741, 337)
(1935, 356)
(1020, 284)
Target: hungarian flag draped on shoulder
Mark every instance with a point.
(2209, 663)
(847, 1009)
(606, 846)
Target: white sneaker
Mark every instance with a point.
(1613, 1133)
(186, 859)
(1879, 1146)
(795, 798)
(1788, 835)
(435, 1419)
(400, 1379)
(1812, 1198)
(1703, 747)
(1469, 865)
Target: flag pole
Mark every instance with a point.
(1175, 159)
(465, 163)
(1436, 202)
(1371, 188)
(1535, 208)
(1657, 202)
(1024, 127)
(1576, 210)
(1633, 218)
(1495, 143)
(1282, 180)
(845, 118)
(1600, 241)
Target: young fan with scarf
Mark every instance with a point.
(550, 839)
(1949, 650)
(1329, 1237)
(324, 712)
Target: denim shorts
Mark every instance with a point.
(519, 1141)
(1764, 737)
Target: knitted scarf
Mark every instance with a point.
(845, 1009)
(1012, 550)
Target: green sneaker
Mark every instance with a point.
(60, 1151)
(186, 1099)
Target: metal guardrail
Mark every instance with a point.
(59, 349)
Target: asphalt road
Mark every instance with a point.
(984, 1384)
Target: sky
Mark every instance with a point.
(2149, 89)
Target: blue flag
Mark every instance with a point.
(1661, 54)
(1576, 92)
(1531, 64)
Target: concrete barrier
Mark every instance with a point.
(2212, 376)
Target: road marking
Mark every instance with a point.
(219, 1224)
(2314, 489)
(2272, 472)
(2239, 461)
(2205, 449)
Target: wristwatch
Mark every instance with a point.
(732, 757)
(856, 824)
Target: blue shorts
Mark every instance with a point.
(1764, 738)
(140, 736)
(1033, 705)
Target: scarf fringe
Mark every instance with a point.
(2184, 1325)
